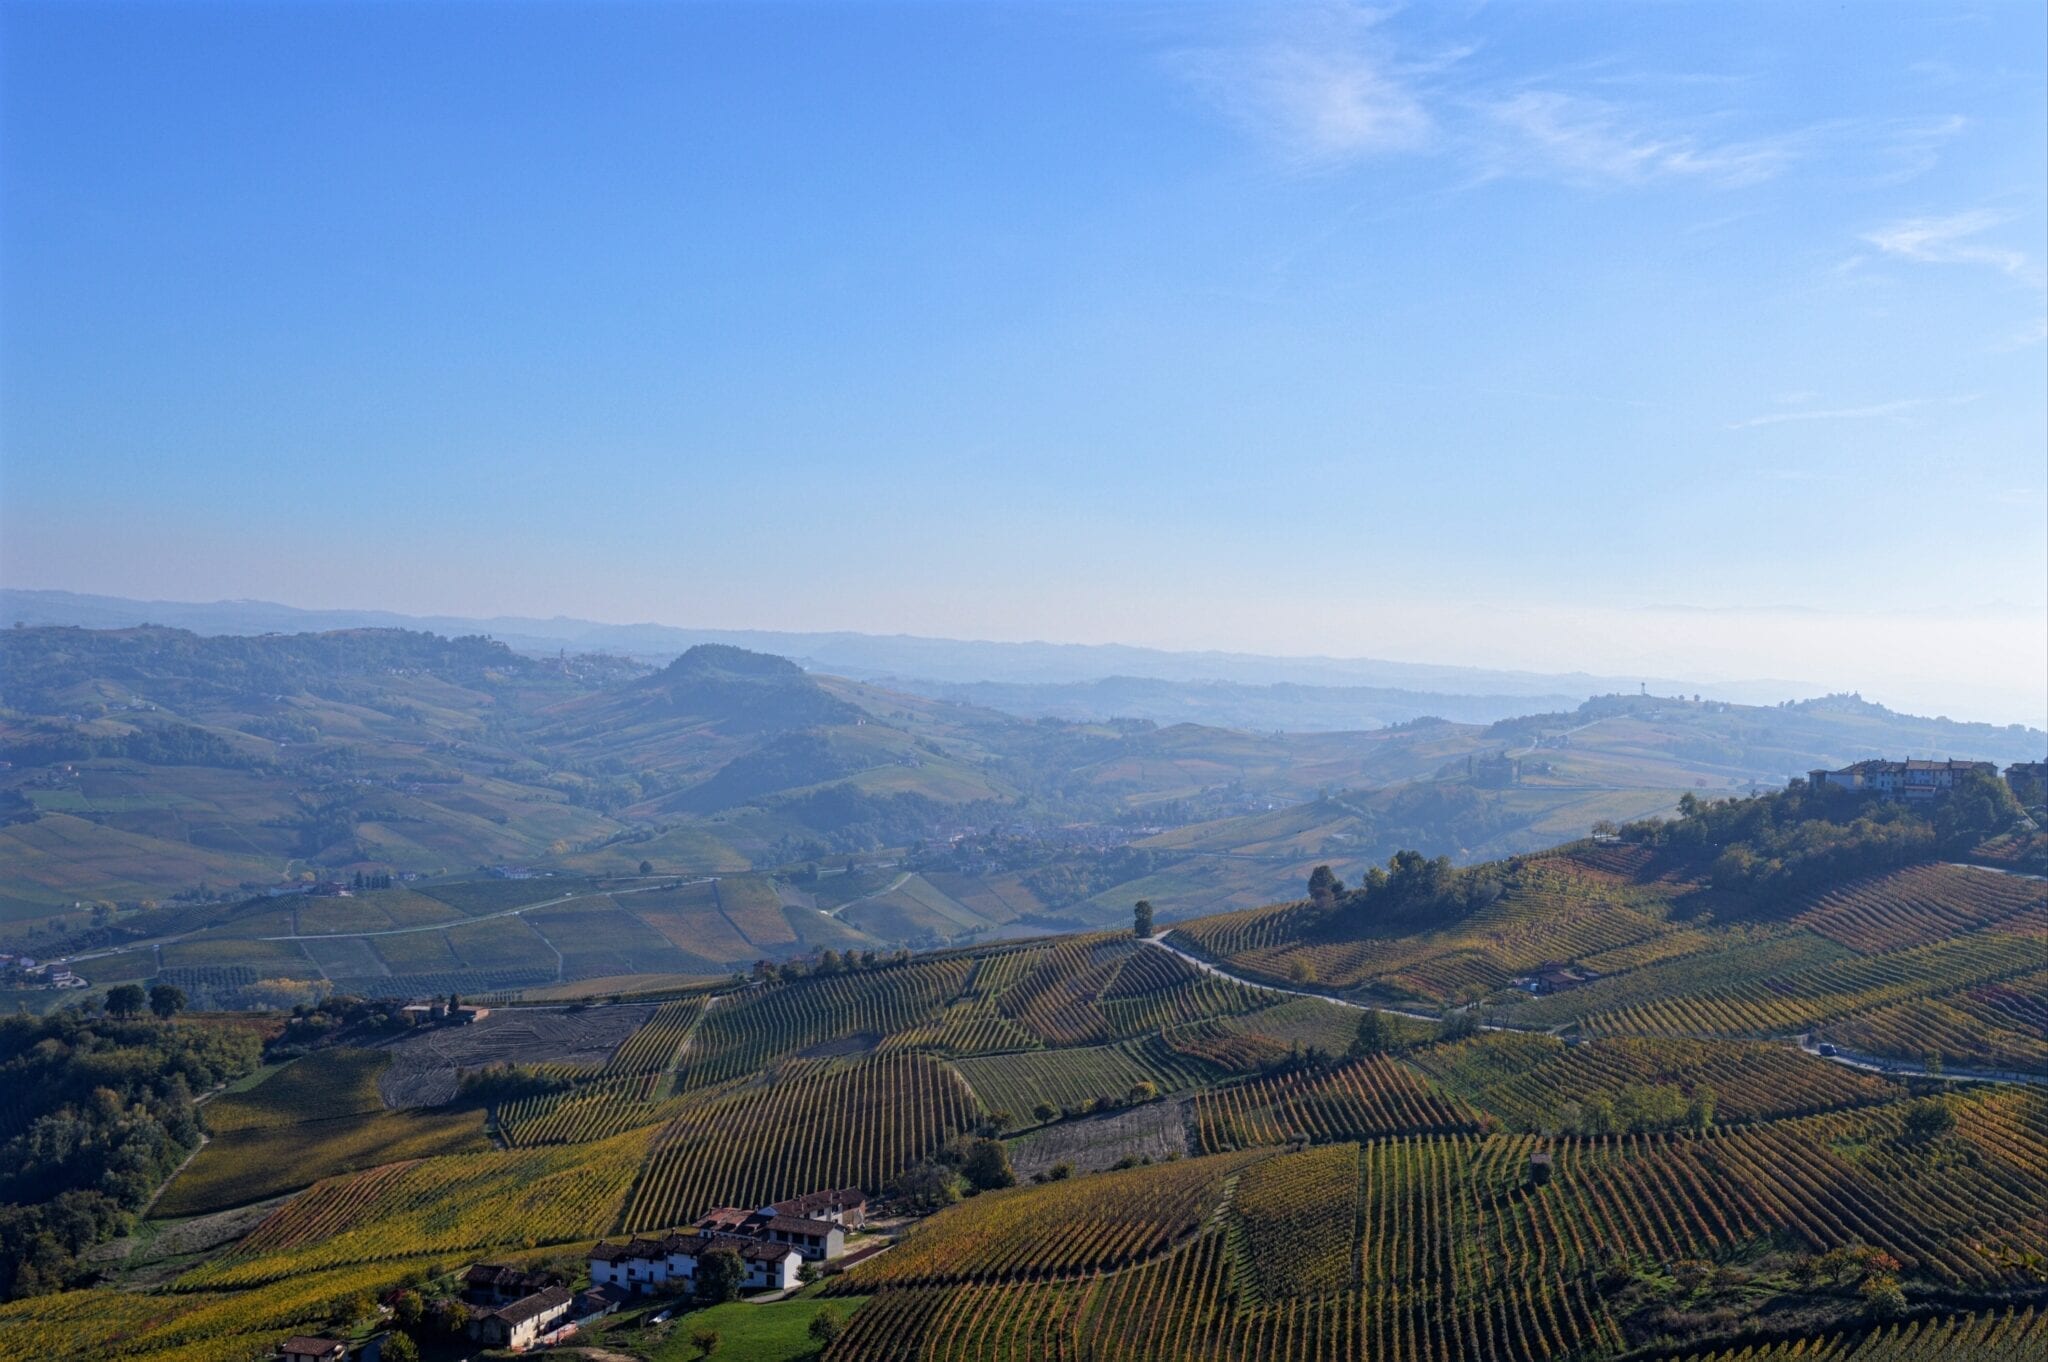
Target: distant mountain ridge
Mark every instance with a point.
(907, 662)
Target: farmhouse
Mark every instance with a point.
(1900, 779)
(649, 1266)
(846, 1206)
(811, 1238)
(520, 1324)
(492, 1284)
(814, 1224)
(308, 1348)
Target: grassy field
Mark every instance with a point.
(776, 1332)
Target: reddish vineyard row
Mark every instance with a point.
(1919, 905)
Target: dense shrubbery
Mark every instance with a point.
(1799, 837)
(101, 1113)
(1413, 889)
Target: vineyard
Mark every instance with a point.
(1638, 1164)
(741, 1035)
(1109, 1221)
(855, 1125)
(453, 1204)
(1554, 909)
(1443, 1247)
(1079, 1079)
(1291, 1229)
(1530, 1081)
(1361, 1099)
(1920, 905)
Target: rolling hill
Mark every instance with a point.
(150, 765)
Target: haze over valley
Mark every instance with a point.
(988, 681)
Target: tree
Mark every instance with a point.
(927, 1186)
(167, 1000)
(400, 1348)
(125, 1001)
(1882, 1296)
(647, 867)
(1141, 918)
(1324, 886)
(1928, 1119)
(1045, 1111)
(1374, 1035)
(1144, 1090)
(1701, 1113)
(408, 1308)
(1458, 1023)
(706, 1341)
(988, 1166)
(719, 1274)
(450, 1316)
(827, 1325)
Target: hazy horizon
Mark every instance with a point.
(1660, 340)
(1902, 693)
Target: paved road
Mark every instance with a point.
(483, 917)
(1203, 965)
(891, 888)
(1998, 870)
(389, 931)
(1899, 1068)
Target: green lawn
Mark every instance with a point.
(776, 1332)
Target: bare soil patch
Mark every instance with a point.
(1153, 1130)
(844, 1047)
(425, 1066)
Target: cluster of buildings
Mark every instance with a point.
(436, 1011)
(1555, 977)
(772, 1242)
(512, 1308)
(23, 971)
(517, 1309)
(1908, 779)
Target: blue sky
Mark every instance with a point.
(1693, 340)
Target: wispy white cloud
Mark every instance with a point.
(1591, 142)
(1321, 89)
(1330, 90)
(1315, 108)
(1874, 412)
(1914, 148)
(1951, 240)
